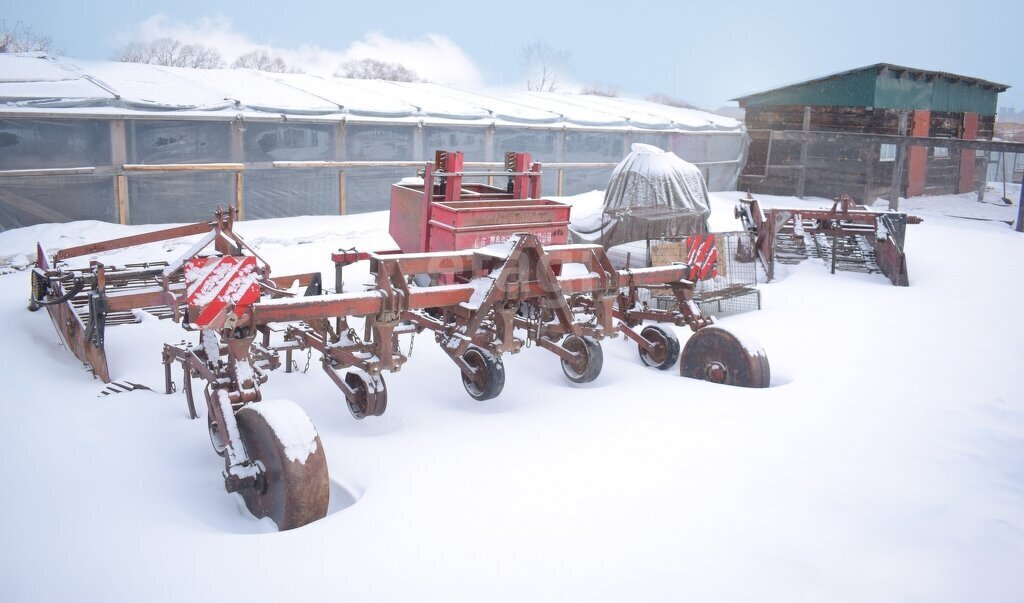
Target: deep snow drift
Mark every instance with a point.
(886, 462)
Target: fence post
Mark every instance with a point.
(121, 191)
(118, 157)
(341, 193)
(803, 155)
(238, 195)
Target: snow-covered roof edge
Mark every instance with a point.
(40, 84)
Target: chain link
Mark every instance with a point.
(309, 354)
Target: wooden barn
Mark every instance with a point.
(791, 154)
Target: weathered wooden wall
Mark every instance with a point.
(773, 167)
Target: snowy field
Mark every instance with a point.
(885, 463)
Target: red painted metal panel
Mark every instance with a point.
(447, 238)
(970, 132)
(917, 158)
(408, 219)
(702, 257)
(219, 286)
(452, 164)
(464, 214)
(520, 182)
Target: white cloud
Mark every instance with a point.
(433, 57)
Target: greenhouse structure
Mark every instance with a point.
(140, 144)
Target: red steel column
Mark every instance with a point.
(917, 158)
(970, 132)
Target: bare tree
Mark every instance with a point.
(172, 53)
(21, 38)
(261, 60)
(372, 69)
(665, 99)
(601, 90)
(543, 65)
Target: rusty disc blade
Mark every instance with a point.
(293, 493)
(717, 355)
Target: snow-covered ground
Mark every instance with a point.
(886, 462)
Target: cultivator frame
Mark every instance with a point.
(885, 232)
(480, 304)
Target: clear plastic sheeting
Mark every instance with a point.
(593, 147)
(280, 193)
(26, 201)
(370, 190)
(471, 141)
(540, 144)
(654, 139)
(179, 142)
(576, 181)
(178, 196)
(651, 194)
(266, 142)
(379, 142)
(27, 144)
(590, 147)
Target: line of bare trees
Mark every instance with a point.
(543, 65)
(20, 38)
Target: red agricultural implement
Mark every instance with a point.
(849, 236)
(479, 303)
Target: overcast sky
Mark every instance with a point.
(705, 53)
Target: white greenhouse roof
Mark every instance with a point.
(34, 83)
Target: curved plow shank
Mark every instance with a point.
(73, 332)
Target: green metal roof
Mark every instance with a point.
(886, 86)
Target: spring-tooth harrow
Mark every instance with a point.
(480, 304)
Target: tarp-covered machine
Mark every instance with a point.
(652, 194)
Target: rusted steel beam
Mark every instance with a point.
(354, 304)
(441, 262)
(140, 239)
(434, 263)
(287, 280)
(141, 298)
(72, 332)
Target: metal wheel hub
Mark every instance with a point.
(716, 372)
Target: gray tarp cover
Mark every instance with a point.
(652, 194)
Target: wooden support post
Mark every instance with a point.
(340, 132)
(236, 139)
(338, 150)
(342, 210)
(238, 196)
(118, 157)
(561, 182)
(121, 191)
(489, 150)
(897, 168)
(417, 142)
(803, 155)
